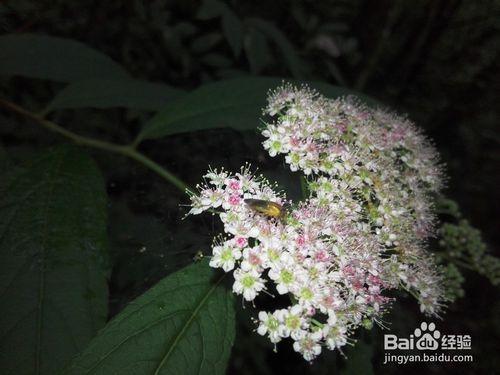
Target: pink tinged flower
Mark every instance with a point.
(321, 256)
(397, 134)
(357, 285)
(341, 126)
(234, 200)
(338, 149)
(309, 346)
(348, 271)
(310, 311)
(241, 242)
(234, 184)
(300, 241)
(374, 280)
(328, 302)
(253, 258)
(294, 142)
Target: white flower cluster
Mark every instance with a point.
(361, 231)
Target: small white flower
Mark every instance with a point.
(335, 336)
(269, 324)
(248, 283)
(225, 257)
(309, 345)
(283, 277)
(293, 322)
(211, 198)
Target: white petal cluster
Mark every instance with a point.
(360, 232)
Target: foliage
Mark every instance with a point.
(234, 103)
(461, 247)
(53, 251)
(185, 324)
(80, 62)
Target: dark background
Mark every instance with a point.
(435, 60)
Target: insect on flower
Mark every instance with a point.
(267, 208)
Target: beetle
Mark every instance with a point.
(267, 208)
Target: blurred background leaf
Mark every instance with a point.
(257, 50)
(290, 56)
(58, 59)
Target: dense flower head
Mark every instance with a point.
(360, 232)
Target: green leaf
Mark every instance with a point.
(210, 9)
(257, 51)
(292, 59)
(57, 59)
(4, 159)
(233, 30)
(205, 42)
(232, 26)
(216, 60)
(234, 103)
(107, 93)
(336, 72)
(183, 325)
(53, 256)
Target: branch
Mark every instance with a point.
(126, 150)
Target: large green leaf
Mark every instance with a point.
(57, 59)
(183, 325)
(107, 93)
(234, 103)
(52, 262)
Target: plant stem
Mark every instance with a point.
(317, 324)
(141, 158)
(126, 150)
